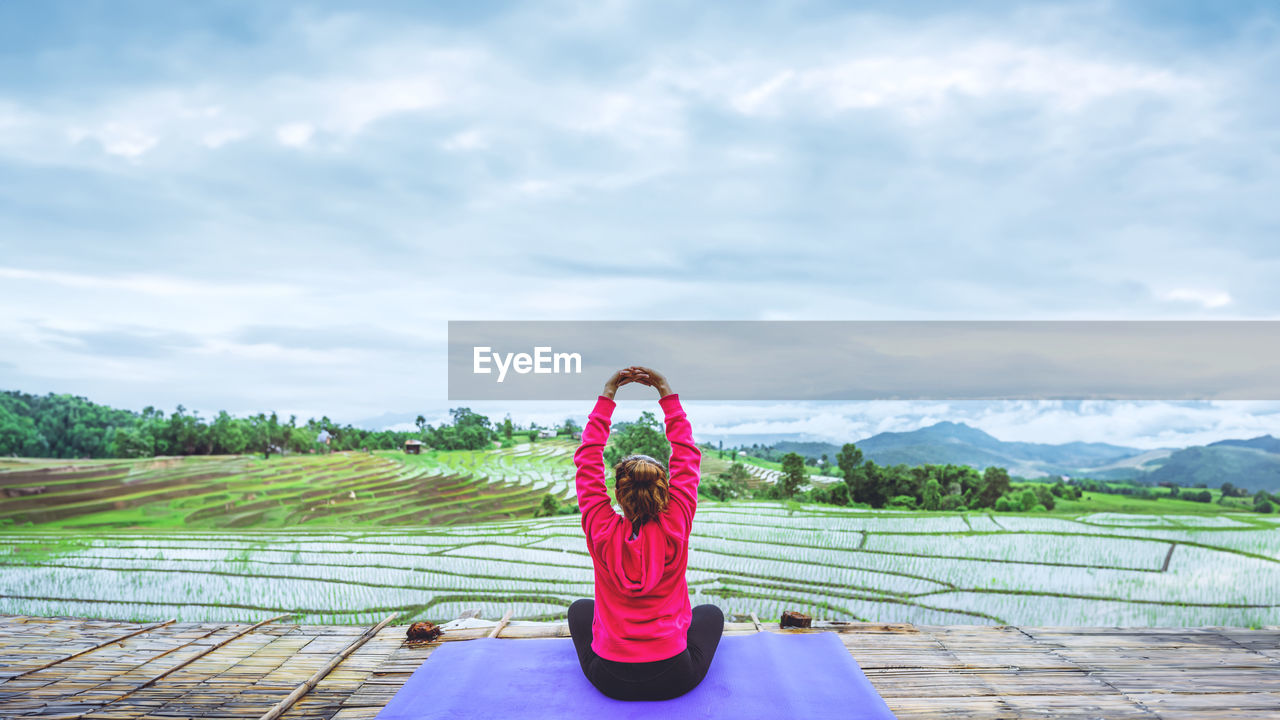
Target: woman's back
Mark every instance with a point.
(642, 598)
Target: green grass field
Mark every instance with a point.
(1100, 502)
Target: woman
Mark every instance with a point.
(639, 639)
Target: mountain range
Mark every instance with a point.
(1252, 463)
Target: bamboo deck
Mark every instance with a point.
(76, 668)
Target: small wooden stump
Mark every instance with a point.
(790, 618)
(423, 632)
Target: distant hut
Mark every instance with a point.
(325, 440)
(413, 447)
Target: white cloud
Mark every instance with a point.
(1209, 299)
(13, 115)
(749, 102)
(922, 83)
(377, 81)
(116, 139)
(1144, 425)
(472, 139)
(358, 103)
(148, 284)
(217, 138)
(295, 134)
(540, 188)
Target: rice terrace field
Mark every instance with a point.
(348, 537)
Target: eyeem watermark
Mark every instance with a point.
(872, 360)
(542, 362)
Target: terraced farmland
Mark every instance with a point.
(343, 489)
(344, 537)
(770, 476)
(744, 557)
(546, 466)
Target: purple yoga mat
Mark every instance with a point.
(765, 675)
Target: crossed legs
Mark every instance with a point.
(705, 629)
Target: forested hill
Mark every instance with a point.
(69, 426)
(1243, 466)
(1265, 443)
(62, 426)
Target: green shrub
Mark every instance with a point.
(1002, 504)
(550, 506)
(1028, 500)
(838, 494)
(1044, 496)
(903, 501)
(727, 485)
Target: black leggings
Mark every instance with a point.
(657, 680)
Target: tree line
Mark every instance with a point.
(69, 426)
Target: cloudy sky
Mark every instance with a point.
(253, 206)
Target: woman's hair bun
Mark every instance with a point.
(642, 487)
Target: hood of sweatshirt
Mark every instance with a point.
(637, 566)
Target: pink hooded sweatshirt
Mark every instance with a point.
(642, 601)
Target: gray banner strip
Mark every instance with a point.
(870, 360)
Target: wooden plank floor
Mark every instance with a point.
(922, 672)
